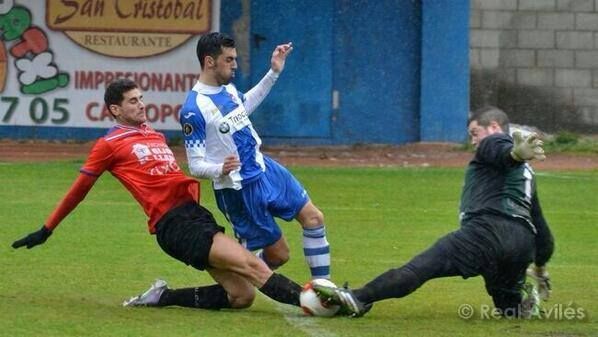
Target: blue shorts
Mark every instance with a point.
(251, 210)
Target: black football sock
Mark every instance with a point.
(281, 289)
(208, 297)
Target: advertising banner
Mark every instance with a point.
(57, 56)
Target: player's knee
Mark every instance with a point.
(318, 218)
(314, 218)
(242, 298)
(277, 258)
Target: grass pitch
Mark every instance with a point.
(377, 219)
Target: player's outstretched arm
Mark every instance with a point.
(33, 239)
(255, 96)
(74, 196)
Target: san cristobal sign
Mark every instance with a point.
(129, 28)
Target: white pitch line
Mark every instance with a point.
(309, 325)
(566, 176)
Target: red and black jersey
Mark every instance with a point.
(142, 161)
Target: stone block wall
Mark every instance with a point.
(537, 60)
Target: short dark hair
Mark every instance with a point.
(211, 45)
(115, 90)
(488, 114)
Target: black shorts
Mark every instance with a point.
(186, 233)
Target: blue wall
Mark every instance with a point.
(444, 102)
(299, 107)
(376, 71)
(400, 70)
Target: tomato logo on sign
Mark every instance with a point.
(34, 60)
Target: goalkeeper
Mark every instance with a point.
(502, 229)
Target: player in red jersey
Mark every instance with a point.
(140, 159)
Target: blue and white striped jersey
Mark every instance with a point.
(216, 124)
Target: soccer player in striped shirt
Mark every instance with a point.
(251, 188)
(141, 160)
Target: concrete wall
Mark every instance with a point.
(538, 60)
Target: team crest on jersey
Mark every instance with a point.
(142, 151)
(224, 127)
(187, 129)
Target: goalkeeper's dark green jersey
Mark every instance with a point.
(495, 183)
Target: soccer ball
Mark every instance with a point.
(311, 303)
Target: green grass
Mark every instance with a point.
(377, 219)
(571, 143)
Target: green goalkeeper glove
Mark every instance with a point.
(527, 148)
(540, 275)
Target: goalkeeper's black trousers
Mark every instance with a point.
(497, 248)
